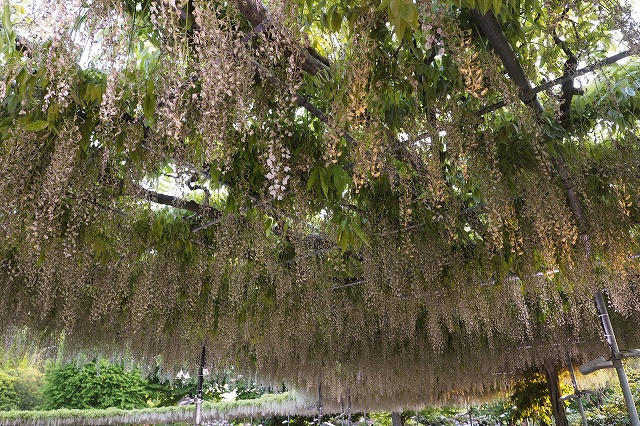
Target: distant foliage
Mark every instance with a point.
(97, 384)
(610, 408)
(531, 399)
(165, 393)
(28, 383)
(20, 378)
(9, 398)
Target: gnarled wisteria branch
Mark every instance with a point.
(179, 203)
(256, 13)
(563, 79)
(499, 42)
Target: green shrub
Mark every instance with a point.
(93, 385)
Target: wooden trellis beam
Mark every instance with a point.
(493, 31)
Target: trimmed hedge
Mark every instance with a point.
(265, 406)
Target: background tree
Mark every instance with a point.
(9, 398)
(531, 399)
(28, 383)
(21, 370)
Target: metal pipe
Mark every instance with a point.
(198, 419)
(348, 407)
(320, 402)
(616, 358)
(576, 390)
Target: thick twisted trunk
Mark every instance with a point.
(553, 382)
(396, 418)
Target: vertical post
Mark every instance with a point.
(576, 390)
(616, 358)
(320, 402)
(396, 418)
(348, 407)
(199, 388)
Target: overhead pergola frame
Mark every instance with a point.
(258, 16)
(366, 314)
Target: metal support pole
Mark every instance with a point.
(616, 358)
(576, 390)
(320, 403)
(348, 407)
(199, 388)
